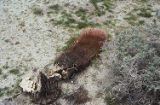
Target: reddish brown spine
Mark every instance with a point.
(84, 48)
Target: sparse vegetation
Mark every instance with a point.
(9, 90)
(131, 17)
(5, 66)
(81, 12)
(95, 60)
(109, 37)
(37, 11)
(55, 7)
(13, 90)
(109, 23)
(84, 24)
(25, 69)
(141, 22)
(1, 92)
(68, 43)
(0, 71)
(143, 12)
(109, 99)
(5, 76)
(136, 68)
(14, 71)
(67, 20)
(108, 4)
(7, 40)
(22, 24)
(100, 10)
(78, 97)
(94, 2)
(143, 0)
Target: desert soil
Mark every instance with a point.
(28, 42)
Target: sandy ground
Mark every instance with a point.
(29, 47)
(29, 42)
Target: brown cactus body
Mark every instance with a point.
(87, 46)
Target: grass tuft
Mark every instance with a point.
(14, 71)
(37, 11)
(84, 24)
(22, 24)
(0, 71)
(131, 17)
(141, 22)
(108, 5)
(81, 12)
(5, 76)
(1, 92)
(145, 14)
(5, 66)
(55, 7)
(68, 43)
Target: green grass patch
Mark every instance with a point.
(1, 92)
(5, 76)
(108, 5)
(68, 43)
(12, 91)
(109, 37)
(22, 24)
(141, 22)
(145, 14)
(108, 23)
(49, 12)
(84, 24)
(66, 20)
(98, 10)
(131, 17)
(143, 1)
(95, 60)
(37, 11)
(94, 3)
(84, 18)
(25, 68)
(9, 90)
(0, 71)
(55, 7)
(5, 66)
(81, 11)
(14, 71)
(132, 23)
(72, 23)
